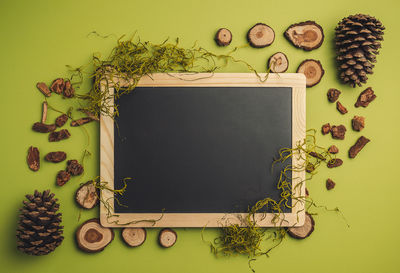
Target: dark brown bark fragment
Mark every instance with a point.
(365, 97)
(333, 149)
(313, 71)
(69, 90)
(305, 35)
(341, 108)
(43, 88)
(333, 94)
(304, 231)
(310, 167)
(33, 159)
(81, 121)
(58, 86)
(61, 120)
(338, 132)
(326, 128)
(43, 128)
(356, 148)
(358, 123)
(330, 184)
(74, 168)
(56, 157)
(260, 35)
(336, 162)
(62, 178)
(60, 135)
(317, 155)
(223, 37)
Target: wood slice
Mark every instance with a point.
(87, 196)
(223, 37)
(303, 231)
(167, 237)
(313, 71)
(260, 35)
(306, 35)
(278, 63)
(91, 237)
(134, 236)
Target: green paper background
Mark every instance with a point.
(38, 38)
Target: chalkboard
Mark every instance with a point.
(198, 151)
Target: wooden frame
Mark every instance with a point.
(296, 218)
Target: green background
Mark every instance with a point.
(38, 38)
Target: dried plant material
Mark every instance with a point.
(134, 237)
(330, 184)
(365, 97)
(260, 35)
(310, 167)
(89, 114)
(356, 148)
(43, 128)
(87, 196)
(223, 37)
(61, 120)
(62, 178)
(33, 159)
(305, 35)
(326, 128)
(338, 132)
(92, 237)
(278, 63)
(74, 168)
(43, 88)
(317, 155)
(313, 71)
(333, 94)
(333, 163)
(167, 237)
(81, 121)
(69, 90)
(56, 157)
(303, 231)
(358, 123)
(333, 149)
(58, 86)
(44, 112)
(60, 135)
(307, 193)
(341, 108)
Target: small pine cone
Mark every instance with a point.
(358, 40)
(39, 231)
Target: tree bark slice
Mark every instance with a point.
(33, 159)
(134, 237)
(260, 35)
(43, 128)
(278, 63)
(91, 237)
(313, 71)
(44, 112)
(303, 231)
(56, 157)
(43, 88)
(87, 196)
(223, 37)
(305, 35)
(167, 237)
(356, 148)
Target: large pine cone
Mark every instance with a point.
(39, 231)
(358, 39)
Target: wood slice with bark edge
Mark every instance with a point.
(260, 35)
(313, 71)
(278, 63)
(303, 231)
(87, 196)
(223, 37)
(134, 237)
(33, 159)
(91, 237)
(167, 237)
(305, 35)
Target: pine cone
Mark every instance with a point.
(39, 231)
(358, 39)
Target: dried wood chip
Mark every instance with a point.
(341, 108)
(333, 94)
(62, 178)
(58, 86)
(43, 128)
(74, 168)
(81, 121)
(56, 157)
(326, 128)
(356, 148)
(333, 149)
(336, 162)
(330, 184)
(358, 123)
(338, 132)
(43, 88)
(61, 120)
(60, 135)
(33, 159)
(365, 97)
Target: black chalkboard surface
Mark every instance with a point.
(200, 149)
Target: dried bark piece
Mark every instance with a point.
(58, 86)
(333, 149)
(81, 121)
(134, 237)
(338, 132)
(313, 71)
(317, 155)
(336, 162)
(61, 120)
(44, 112)
(92, 237)
(74, 168)
(167, 237)
(260, 35)
(365, 97)
(333, 94)
(69, 90)
(326, 128)
(278, 63)
(60, 135)
(43, 128)
(89, 114)
(33, 159)
(303, 231)
(62, 178)
(341, 108)
(56, 157)
(43, 88)
(358, 123)
(310, 167)
(330, 184)
(87, 196)
(223, 37)
(356, 148)
(305, 35)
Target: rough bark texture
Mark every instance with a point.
(43, 88)
(134, 237)
(303, 231)
(338, 132)
(326, 128)
(91, 237)
(60, 135)
(365, 97)
(58, 86)
(61, 120)
(81, 121)
(260, 35)
(62, 178)
(87, 196)
(333, 149)
(223, 37)
(358, 123)
(330, 184)
(167, 237)
(333, 163)
(69, 90)
(333, 94)
(342, 110)
(43, 128)
(310, 167)
(33, 159)
(278, 63)
(313, 71)
(56, 157)
(74, 168)
(305, 35)
(317, 155)
(356, 148)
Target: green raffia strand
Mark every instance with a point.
(130, 60)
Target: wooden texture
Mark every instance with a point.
(296, 218)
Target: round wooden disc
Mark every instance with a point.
(134, 236)
(223, 37)
(167, 237)
(278, 63)
(260, 35)
(313, 71)
(87, 196)
(303, 231)
(92, 237)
